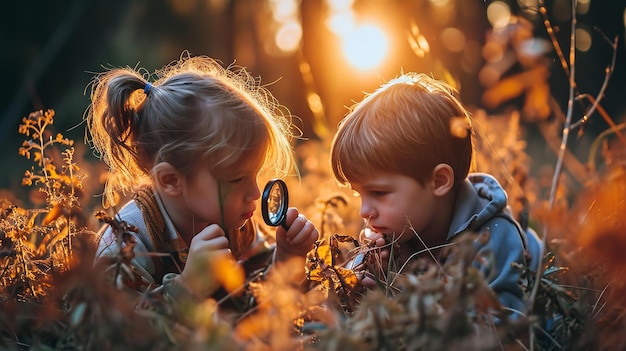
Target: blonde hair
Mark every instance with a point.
(195, 113)
(404, 127)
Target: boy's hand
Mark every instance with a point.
(377, 240)
(300, 237)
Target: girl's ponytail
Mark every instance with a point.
(113, 121)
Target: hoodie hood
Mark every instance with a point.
(479, 199)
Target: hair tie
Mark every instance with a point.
(147, 88)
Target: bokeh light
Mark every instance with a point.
(498, 14)
(288, 29)
(363, 44)
(582, 6)
(365, 47)
(340, 23)
(417, 41)
(288, 36)
(340, 16)
(583, 39)
(453, 39)
(530, 8)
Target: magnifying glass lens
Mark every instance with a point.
(274, 203)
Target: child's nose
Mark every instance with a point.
(367, 211)
(254, 192)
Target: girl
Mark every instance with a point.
(190, 147)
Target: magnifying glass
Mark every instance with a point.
(274, 203)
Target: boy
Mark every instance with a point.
(407, 150)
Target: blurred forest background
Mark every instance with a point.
(50, 50)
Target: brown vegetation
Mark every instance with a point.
(52, 298)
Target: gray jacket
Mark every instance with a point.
(481, 205)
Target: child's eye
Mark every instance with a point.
(236, 180)
(378, 193)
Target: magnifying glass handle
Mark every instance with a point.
(284, 225)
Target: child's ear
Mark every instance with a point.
(167, 179)
(443, 179)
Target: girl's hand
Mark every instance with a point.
(299, 239)
(207, 244)
(209, 239)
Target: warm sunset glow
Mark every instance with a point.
(453, 39)
(418, 41)
(498, 14)
(287, 28)
(288, 37)
(365, 47)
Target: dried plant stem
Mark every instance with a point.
(417, 253)
(614, 128)
(572, 82)
(595, 103)
(555, 42)
(562, 149)
(595, 305)
(568, 125)
(547, 130)
(573, 86)
(570, 104)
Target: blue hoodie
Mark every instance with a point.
(481, 205)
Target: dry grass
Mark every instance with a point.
(52, 298)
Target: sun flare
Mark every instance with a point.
(365, 47)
